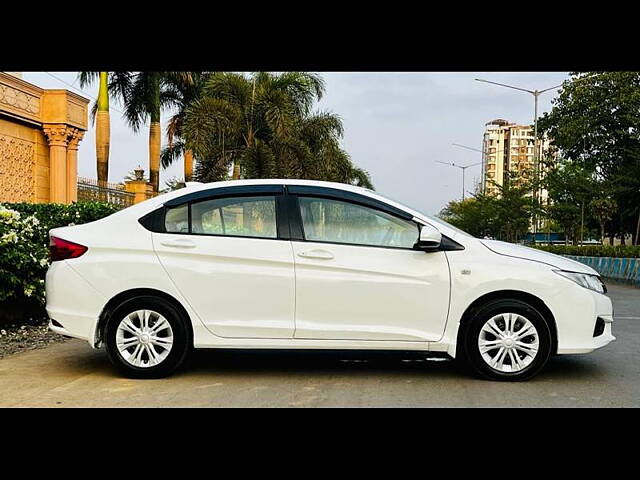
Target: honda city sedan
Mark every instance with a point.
(293, 264)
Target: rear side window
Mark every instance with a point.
(176, 220)
(236, 216)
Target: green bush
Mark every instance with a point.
(620, 251)
(23, 257)
(53, 215)
(24, 240)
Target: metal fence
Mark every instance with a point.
(90, 191)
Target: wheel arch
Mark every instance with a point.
(529, 298)
(122, 297)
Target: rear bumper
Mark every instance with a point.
(72, 302)
(64, 331)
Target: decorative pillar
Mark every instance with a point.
(141, 189)
(75, 136)
(57, 137)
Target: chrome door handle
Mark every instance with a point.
(317, 254)
(178, 243)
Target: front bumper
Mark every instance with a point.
(577, 311)
(599, 341)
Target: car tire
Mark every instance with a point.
(507, 340)
(147, 337)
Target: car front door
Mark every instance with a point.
(358, 276)
(225, 254)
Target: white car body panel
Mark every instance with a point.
(253, 293)
(240, 287)
(566, 302)
(520, 251)
(64, 300)
(114, 263)
(370, 293)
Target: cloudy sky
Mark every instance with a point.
(396, 126)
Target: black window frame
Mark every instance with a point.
(289, 224)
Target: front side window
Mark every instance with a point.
(335, 221)
(236, 216)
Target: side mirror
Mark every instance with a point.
(430, 239)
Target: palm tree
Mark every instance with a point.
(263, 126)
(146, 98)
(321, 156)
(113, 84)
(181, 92)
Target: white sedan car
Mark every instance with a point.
(295, 264)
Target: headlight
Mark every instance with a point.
(592, 282)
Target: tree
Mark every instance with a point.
(181, 93)
(148, 95)
(570, 187)
(470, 215)
(116, 85)
(512, 208)
(173, 184)
(263, 126)
(603, 210)
(505, 215)
(595, 121)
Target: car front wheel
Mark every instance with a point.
(147, 337)
(507, 340)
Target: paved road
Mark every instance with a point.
(72, 374)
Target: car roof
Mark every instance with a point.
(195, 186)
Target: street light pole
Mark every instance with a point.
(484, 156)
(461, 167)
(536, 161)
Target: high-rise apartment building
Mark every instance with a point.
(508, 147)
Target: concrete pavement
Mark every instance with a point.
(72, 374)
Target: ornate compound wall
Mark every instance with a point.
(40, 131)
(17, 169)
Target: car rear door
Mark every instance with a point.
(226, 254)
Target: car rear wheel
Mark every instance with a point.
(147, 337)
(507, 340)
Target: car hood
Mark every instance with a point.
(526, 253)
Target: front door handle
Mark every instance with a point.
(178, 243)
(317, 254)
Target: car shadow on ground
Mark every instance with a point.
(246, 363)
(575, 367)
(305, 361)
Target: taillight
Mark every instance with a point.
(60, 249)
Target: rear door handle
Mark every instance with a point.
(317, 254)
(178, 243)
